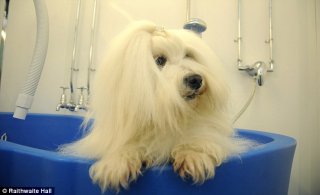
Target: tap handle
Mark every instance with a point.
(64, 89)
(81, 100)
(82, 89)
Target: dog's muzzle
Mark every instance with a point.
(194, 84)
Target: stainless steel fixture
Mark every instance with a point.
(258, 68)
(3, 33)
(194, 24)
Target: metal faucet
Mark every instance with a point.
(81, 102)
(63, 99)
(256, 70)
(71, 105)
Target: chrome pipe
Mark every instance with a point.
(270, 40)
(258, 69)
(91, 68)
(188, 10)
(3, 33)
(74, 67)
(238, 40)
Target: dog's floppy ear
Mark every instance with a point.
(124, 84)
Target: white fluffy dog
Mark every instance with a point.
(160, 97)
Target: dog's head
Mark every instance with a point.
(154, 76)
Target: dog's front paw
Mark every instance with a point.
(197, 165)
(114, 173)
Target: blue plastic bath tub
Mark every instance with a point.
(28, 158)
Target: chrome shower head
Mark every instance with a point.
(196, 25)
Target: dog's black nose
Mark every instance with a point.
(193, 81)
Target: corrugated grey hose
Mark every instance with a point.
(25, 98)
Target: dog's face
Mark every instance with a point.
(176, 63)
(156, 77)
(188, 66)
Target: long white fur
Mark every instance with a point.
(141, 116)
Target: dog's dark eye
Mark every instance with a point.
(161, 60)
(188, 55)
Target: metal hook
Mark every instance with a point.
(4, 137)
